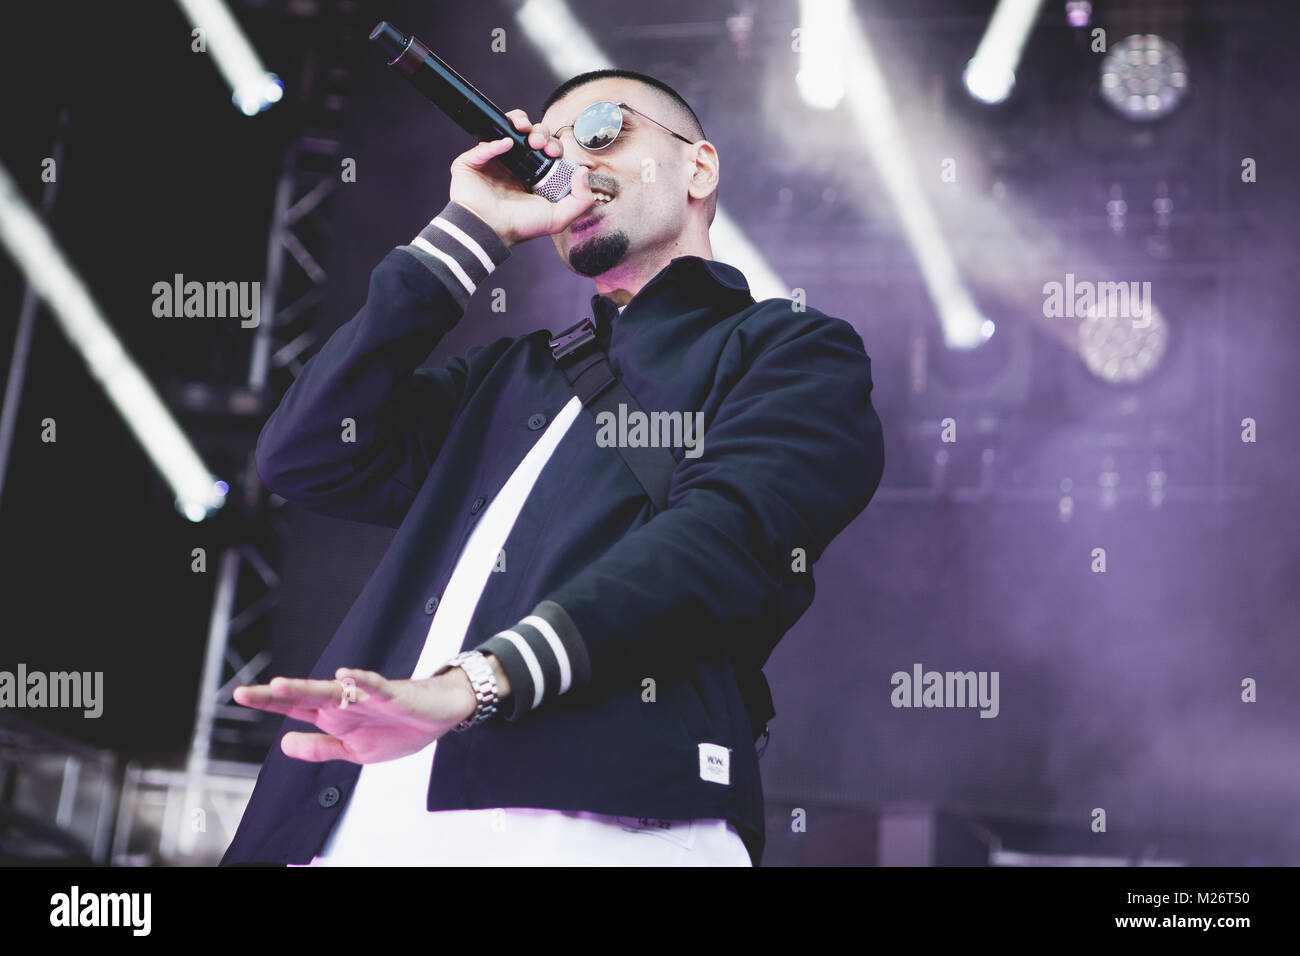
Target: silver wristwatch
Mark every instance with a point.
(481, 678)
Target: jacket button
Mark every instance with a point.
(430, 605)
(328, 797)
(477, 505)
(536, 421)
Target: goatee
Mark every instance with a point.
(600, 254)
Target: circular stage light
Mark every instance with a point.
(1120, 350)
(1144, 77)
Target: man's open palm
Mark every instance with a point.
(389, 718)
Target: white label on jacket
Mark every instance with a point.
(715, 764)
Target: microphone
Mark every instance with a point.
(547, 176)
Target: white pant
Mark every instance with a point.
(528, 837)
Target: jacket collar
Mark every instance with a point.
(687, 282)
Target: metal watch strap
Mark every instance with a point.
(484, 682)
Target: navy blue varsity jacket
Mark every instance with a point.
(601, 594)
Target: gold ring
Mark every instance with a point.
(349, 692)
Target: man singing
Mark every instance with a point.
(546, 667)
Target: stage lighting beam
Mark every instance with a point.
(873, 113)
(32, 247)
(822, 26)
(990, 74)
(253, 88)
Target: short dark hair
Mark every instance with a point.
(694, 131)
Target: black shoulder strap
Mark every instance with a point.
(588, 370)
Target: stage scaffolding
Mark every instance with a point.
(188, 815)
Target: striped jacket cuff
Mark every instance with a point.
(543, 655)
(460, 248)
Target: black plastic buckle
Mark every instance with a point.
(573, 338)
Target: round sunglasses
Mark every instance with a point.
(600, 123)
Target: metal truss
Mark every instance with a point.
(190, 815)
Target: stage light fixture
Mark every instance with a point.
(988, 82)
(253, 89)
(259, 94)
(1120, 351)
(990, 74)
(1144, 77)
(823, 24)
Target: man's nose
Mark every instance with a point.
(580, 157)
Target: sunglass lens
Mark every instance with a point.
(597, 125)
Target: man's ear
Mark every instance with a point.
(704, 171)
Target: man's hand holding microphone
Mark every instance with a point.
(487, 189)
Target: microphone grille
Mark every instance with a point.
(555, 184)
